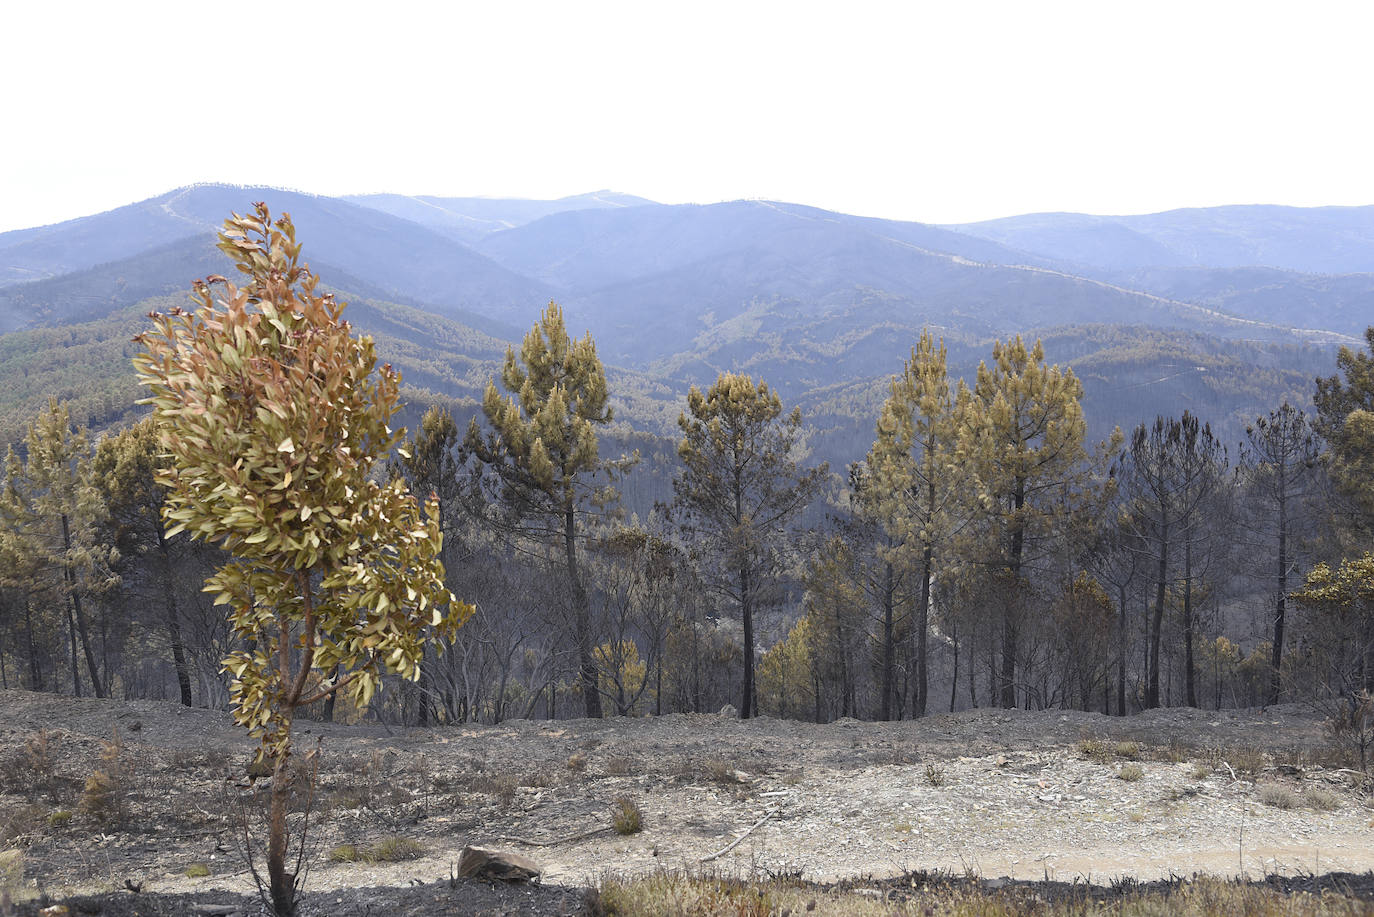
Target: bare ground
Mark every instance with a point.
(1025, 795)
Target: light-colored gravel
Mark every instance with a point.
(1016, 795)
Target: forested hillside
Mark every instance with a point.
(939, 510)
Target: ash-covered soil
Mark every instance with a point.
(1056, 795)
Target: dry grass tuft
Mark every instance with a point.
(1097, 750)
(1130, 773)
(671, 894)
(626, 816)
(1280, 797)
(391, 849)
(718, 770)
(106, 789)
(1322, 799)
(935, 775)
(620, 766)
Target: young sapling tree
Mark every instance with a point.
(274, 416)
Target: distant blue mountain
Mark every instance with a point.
(397, 256)
(468, 219)
(1321, 240)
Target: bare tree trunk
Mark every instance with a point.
(1275, 677)
(591, 690)
(281, 883)
(1121, 649)
(76, 607)
(1157, 623)
(173, 620)
(1009, 635)
(747, 702)
(918, 708)
(1190, 676)
(954, 679)
(889, 651)
(35, 669)
(76, 671)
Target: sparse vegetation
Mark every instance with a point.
(1130, 772)
(720, 771)
(1279, 797)
(103, 797)
(1098, 750)
(1129, 751)
(1321, 799)
(39, 757)
(391, 849)
(626, 816)
(673, 894)
(619, 765)
(197, 871)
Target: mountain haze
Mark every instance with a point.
(1315, 240)
(823, 305)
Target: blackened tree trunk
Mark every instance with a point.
(582, 626)
(75, 597)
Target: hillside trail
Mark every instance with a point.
(1029, 795)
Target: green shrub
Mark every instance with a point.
(391, 849)
(344, 853)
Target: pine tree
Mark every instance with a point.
(1279, 462)
(740, 485)
(275, 418)
(1166, 475)
(542, 450)
(912, 489)
(126, 468)
(1021, 445)
(430, 465)
(51, 513)
(1345, 419)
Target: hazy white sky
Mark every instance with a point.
(942, 112)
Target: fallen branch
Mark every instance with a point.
(737, 841)
(562, 840)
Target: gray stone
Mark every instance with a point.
(479, 862)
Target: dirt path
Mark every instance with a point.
(1018, 794)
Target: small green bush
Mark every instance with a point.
(394, 849)
(197, 871)
(344, 853)
(391, 849)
